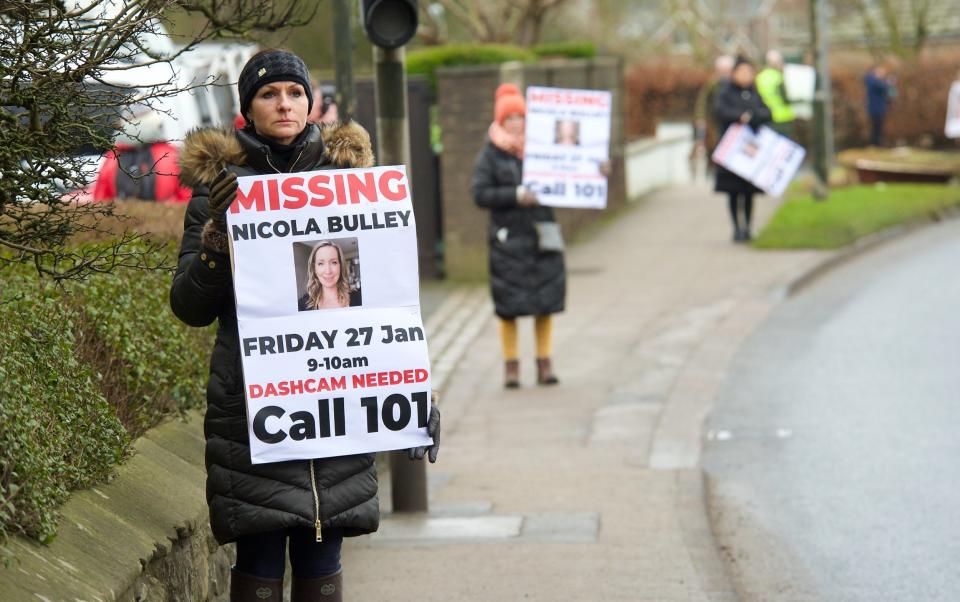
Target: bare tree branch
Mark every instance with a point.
(517, 21)
(61, 104)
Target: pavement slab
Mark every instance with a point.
(601, 474)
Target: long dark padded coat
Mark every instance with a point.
(246, 498)
(730, 102)
(523, 280)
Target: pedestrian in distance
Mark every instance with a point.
(705, 137)
(772, 90)
(880, 89)
(738, 102)
(527, 273)
(310, 505)
(325, 111)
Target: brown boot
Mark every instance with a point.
(249, 588)
(545, 374)
(511, 374)
(322, 589)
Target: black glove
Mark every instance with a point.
(433, 429)
(223, 191)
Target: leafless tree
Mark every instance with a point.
(60, 103)
(898, 27)
(496, 21)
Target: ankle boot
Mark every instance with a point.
(322, 589)
(250, 588)
(511, 374)
(545, 374)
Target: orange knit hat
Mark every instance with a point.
(508, 101)
(504, 89)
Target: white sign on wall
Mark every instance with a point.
(800, 84)
(952, 129)
(328, 310)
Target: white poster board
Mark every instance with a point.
(800, 84)
(952, 129)
(567, 140)
(352, 376)
(765, 158)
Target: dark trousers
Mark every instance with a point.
(785, 128)
(741, 209)
(876, 129)
(264, 554)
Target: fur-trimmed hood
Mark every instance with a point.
(207, 151)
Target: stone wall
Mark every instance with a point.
(465, 98)
(143, 536)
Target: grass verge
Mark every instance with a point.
(852, 213)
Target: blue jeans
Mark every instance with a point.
(264, 554)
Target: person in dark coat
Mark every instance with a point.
(704, 128)
(879, 90)
(524, 280)
(309, 504)
(738, 102)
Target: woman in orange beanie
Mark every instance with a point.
(527, 276)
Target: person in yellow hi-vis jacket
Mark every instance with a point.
(773, 92)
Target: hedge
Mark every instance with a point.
(151, 364)
(569, 50)
(59, 432)
(425, 61)
(660, 90)
(84, 369)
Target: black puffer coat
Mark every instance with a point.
(730, 102)
(524, 281)
(245, 498)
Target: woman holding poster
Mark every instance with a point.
(527, 274)
(308, 505)
(737, 101)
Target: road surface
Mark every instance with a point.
(833, 451)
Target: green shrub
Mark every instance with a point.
(59, 432)
(425, 61)
(150, 364)
(84, 369)
(570, 50)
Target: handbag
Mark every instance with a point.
(549, 237)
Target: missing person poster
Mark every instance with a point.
(765, 158)
(326, 283)
(952, 129)
(567, 141)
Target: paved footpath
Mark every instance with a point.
(591, 490)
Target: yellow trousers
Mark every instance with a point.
(543, 327)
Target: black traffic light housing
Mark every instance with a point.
(389, 23)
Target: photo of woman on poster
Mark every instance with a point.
(328, 280)
(567, 132)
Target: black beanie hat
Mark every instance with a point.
(268, 67)
(742, 60)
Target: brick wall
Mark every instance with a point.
(465, 98)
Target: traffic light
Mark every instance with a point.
(389, 23)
